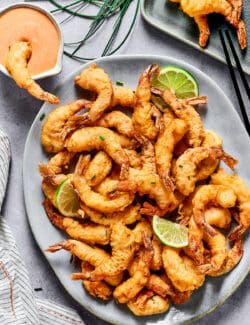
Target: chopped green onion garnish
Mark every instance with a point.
(152, 181)
(119, 83)
(93, 177)
(102, 137)
(42, 117)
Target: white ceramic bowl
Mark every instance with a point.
(58, 66)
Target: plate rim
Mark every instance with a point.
(25, 189)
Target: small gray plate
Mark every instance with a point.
(219, 116)
(167, 17)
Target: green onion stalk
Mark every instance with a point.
(105, 10)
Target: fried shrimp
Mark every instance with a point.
(156, 264)
(139, 272)
(144, 183)
(95, 79)
(123, 249)
(128, 216)
(142, 229)
(97, 289)
(174, 130)
(91, 254)
(187, 113)
(123, 96)
(181, 270)
(96, 200)
(118, 120)
(17, 65)
(211, 139)
(98, 168)
(218, 252)
(199, 10)
(53, 129)
(144, 112)
(89, 233)
(243, 200)
(126, 170)
(214, 216)
(90, 138)
(234, 256)
(148, 303)
(211, 195)
(187, 166)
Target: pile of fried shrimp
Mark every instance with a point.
(126, 168)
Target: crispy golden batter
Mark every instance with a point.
(181, 270)
(200, 9)
(53, 130)
(144, 111)
(17, 65)
(89, 233)
(153, 163)
(95, 79)
(187, 166)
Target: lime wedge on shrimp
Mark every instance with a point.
(170, 233)
(67, 199)
(176, 79)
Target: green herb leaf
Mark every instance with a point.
(42, 117)
(102, 137)
(153, 181)
(119, 83)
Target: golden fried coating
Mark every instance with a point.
(187, 166)
(186, 112)
(139, 274)
(127, 169)
(128, 216)
(95, 79)
(144, 111)
(98, 168)
(242, 191)
(200, 9)
(181, 270)
(89, 233)
(144, 304)
(53, 130)
(17, 65)
(96, 200)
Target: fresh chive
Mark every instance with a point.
(152, 181)
(105, 10)
(119, 83)
(180, 166)
(42, 117)
(102, 137)
(93, 177)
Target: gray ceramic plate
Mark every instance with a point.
(219, 115)
(166, 16)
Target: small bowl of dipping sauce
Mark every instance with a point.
(33, 24)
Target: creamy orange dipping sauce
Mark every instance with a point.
(26, 24)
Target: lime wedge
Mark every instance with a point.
(180, 81)
(170, 233)
(67, 199)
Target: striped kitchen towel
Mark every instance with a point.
(18, 306)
